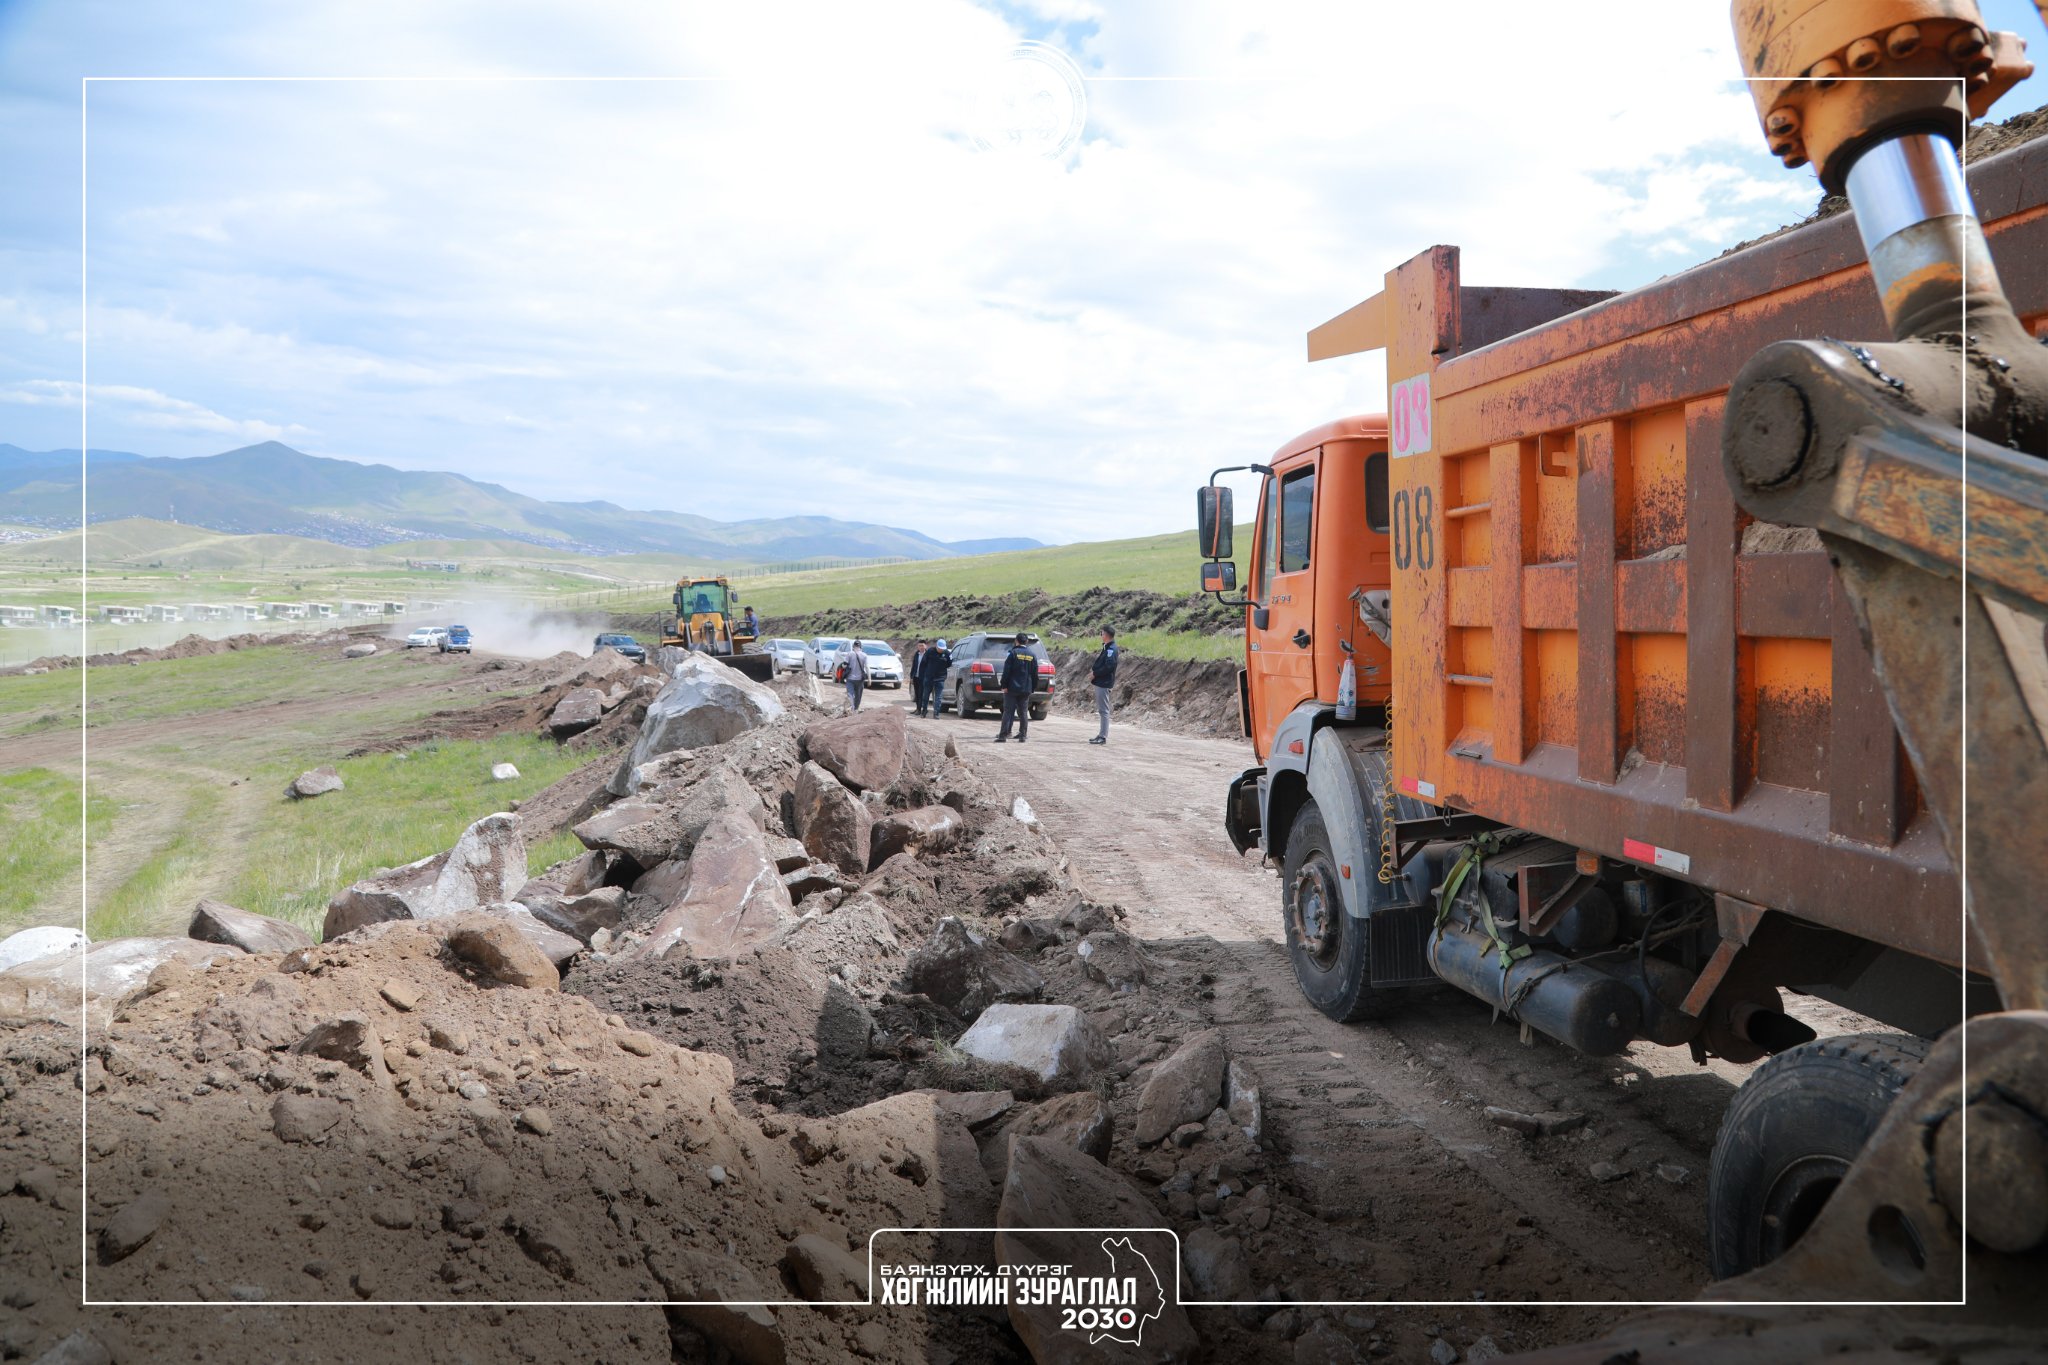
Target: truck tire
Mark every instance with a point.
(1789, 1137)
(961, 704)
(1039, 712)
(1327, 946)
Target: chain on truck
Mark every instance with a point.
(1616, 675)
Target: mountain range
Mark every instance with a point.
(273, 489)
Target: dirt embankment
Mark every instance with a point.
(1078, 615)
(1189, 697)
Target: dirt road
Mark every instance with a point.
(1424, 1198)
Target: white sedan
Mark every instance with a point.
(885, 665)
(822, 654)
(788, 655)
(426, 637)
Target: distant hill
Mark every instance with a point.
(273, 489)
(137, 542)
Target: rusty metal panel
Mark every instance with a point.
(1868, 789)
(1513, 469)
(1421, 327)
(1711, 538)
(1785, 596)
(1600, 505)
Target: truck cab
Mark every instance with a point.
(1320, 569)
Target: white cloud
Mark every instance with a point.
(795, 287)
(145, 408)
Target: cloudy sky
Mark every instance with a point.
(760, 263)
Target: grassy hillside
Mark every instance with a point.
(138, 541)
(1166, 564)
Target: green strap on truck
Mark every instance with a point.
(1468, 864)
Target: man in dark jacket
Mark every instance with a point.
(915, 668)
(1020, 675)
(1103, 675)
(931, 671)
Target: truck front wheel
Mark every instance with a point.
(1328, 946)
(1789, 1137)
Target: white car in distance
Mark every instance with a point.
(787, 655)
(822, 653)
(885, 665)
(426, 637)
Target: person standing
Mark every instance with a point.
(1102, 673)
(917, 686)
(1020, 675)
(852, 669)
(938, 661)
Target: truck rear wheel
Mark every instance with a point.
(1328, 946)
(961, 704)
(1790, 1136)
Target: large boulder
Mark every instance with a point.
(580, 916)
(1052, 1185)
(1056, 1043)
(314, 782)
(576, 712)
(864, 749)
(497, 951)
(928, 829)
(967, 973)
(834, 824)
(704, 703)
(218, 922)
(1184, 1088)
(651, 830)
(113, 970)
(487, 864)
(734, 898)
(45, 940)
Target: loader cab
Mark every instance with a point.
(704, 615)
(1320, 543)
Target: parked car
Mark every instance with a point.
(821, 652)
(426, 637)
(625, 644)
(455, 640)
(788, 655)
(976, 678)
(885, 665)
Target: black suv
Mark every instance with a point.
(625, 644)
(976, 677)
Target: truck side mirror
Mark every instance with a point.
(1213, 520)
(1219, 576)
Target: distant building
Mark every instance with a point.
(163, 613)
(59, 616)
(434, 565)
(123, 616)
(17, 616)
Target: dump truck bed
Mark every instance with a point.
(1593, 642)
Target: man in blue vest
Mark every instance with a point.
(1102, 673)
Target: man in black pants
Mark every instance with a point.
(1020, 675)
(918, 689)
(1103, 675)
(932, 672)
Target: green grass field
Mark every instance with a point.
(40, 810)
(1168, 564)
(396, 807)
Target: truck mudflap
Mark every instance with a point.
(1241, 809)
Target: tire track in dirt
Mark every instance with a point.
(1384, 1121)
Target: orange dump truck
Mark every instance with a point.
(1541, 712)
